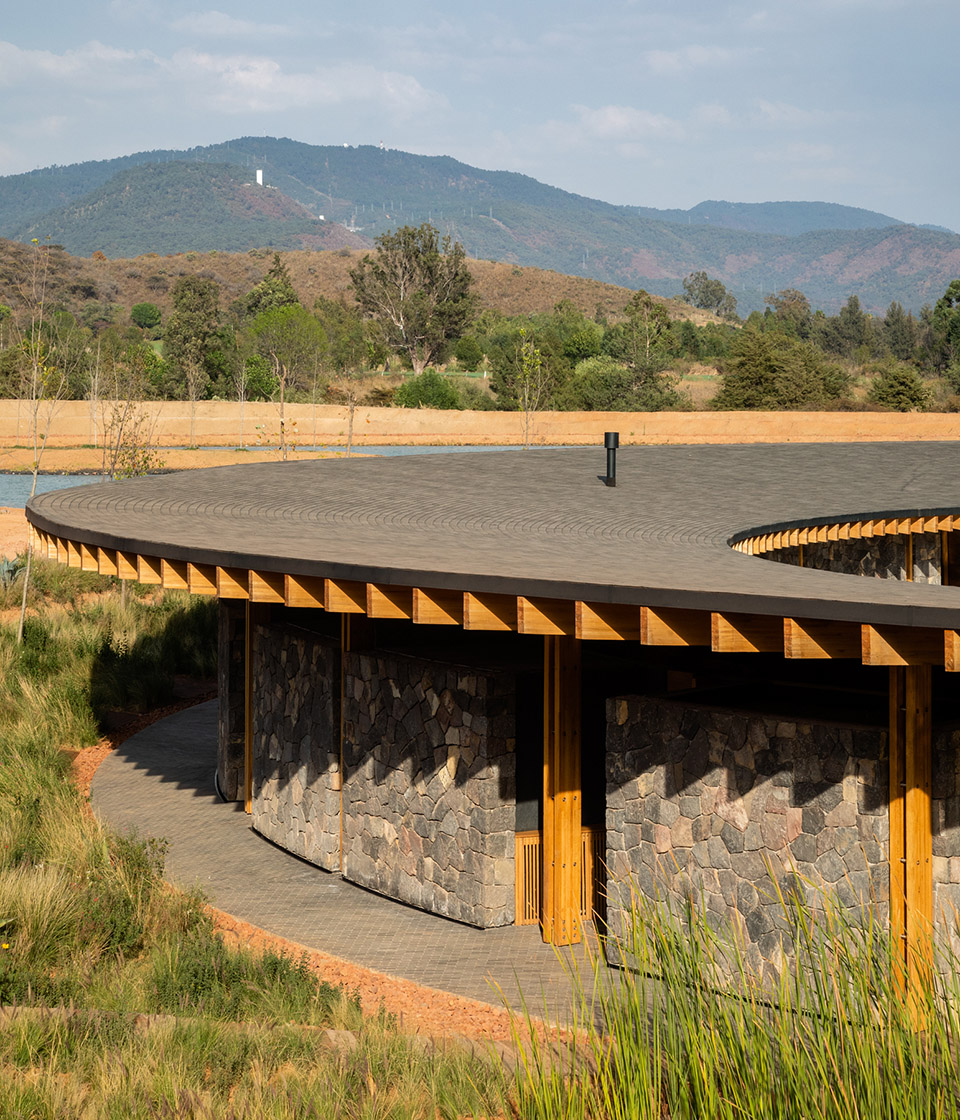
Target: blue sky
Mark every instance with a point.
(664, 105)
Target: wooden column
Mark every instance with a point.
(255, 613)
(911, 833)
(561, 790)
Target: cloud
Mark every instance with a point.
(243, 83)
(625, 123)
(693, 57)
(780, 114)
(219, 25)
(92, 63)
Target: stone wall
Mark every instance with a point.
(946, 833)
(715, 802)
(883, 557)
(429, 785)
(296, 742)
(230, 681)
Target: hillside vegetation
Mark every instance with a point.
(197, 200)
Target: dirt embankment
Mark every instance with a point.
(224, 425)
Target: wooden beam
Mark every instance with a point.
(951, 651)
(437, 607)
(901, 645)
(606, 621)
(385, 601)
(344, 596)
(74, 559)
(201, 579)
(248, 707)
(562, 811)
(674, 626)
(174, 574)
(233, 583)
(148, 570)
(898, 783)
(489, 612)
(820, 638)
(266, 587)
(107, 562)
(127, 565)
(62, 555)
(746, 633)
(303, 591)
(553, 617)
(89, 560)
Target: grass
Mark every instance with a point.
(88, 925)
(830, 1035)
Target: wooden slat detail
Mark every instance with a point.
(489, 612)
(844, 531)
(74, 559)
(127, 564)
(898, 896)
(528, 871)
(345, 596)
(385, 601)
(265, 587)
(803, 537)
(550, 617)
(674, 626)
(606, 621)
(833, 532)
(856, 530)
(794, 538)
(201, 579)
(951, 651)
(148, 570)
(233, 583)
(901, 645)
(746, 633)
(437, 607)
(303, 591)
(820, 638)
(174, 574)
(89, 561)
(107, 562)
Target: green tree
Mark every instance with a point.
(603, 384)
(418, 288)
(294, 342)
(710, 294)
(768, 370)
(899, 387)
(946, 326)
(640, 341)
(348, 347)
(900, 333)
(274, 290)
(468, 352)
(145, 315)
(428, 390)
(791, 312)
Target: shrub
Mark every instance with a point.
(429, 390)
(899, 387)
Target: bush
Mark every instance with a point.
(468, 352)
(602, 384)
(899, 387)
(769, 370)
(429, 390)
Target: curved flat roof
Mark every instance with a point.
(541, 523)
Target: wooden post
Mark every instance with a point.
(911, 832)
(248, 707)
(561, 791)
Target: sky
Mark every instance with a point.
(666, 105)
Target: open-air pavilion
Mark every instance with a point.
(494, 688)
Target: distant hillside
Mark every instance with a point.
(75, 283)
(206, 199)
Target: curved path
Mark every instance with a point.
(160, 783)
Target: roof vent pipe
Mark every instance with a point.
(611, 441)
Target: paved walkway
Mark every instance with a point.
(161, 783)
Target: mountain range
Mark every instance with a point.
(325, 197)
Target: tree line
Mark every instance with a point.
(412, 309)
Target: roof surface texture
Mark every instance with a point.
(541, 523)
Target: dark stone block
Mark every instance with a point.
(732, 838)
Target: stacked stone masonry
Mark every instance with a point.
(429, 785)
(296, 742)
(883, 557)
(737, 809)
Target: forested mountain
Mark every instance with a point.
(207, 198)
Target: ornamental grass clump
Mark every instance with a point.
(686, 1028)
